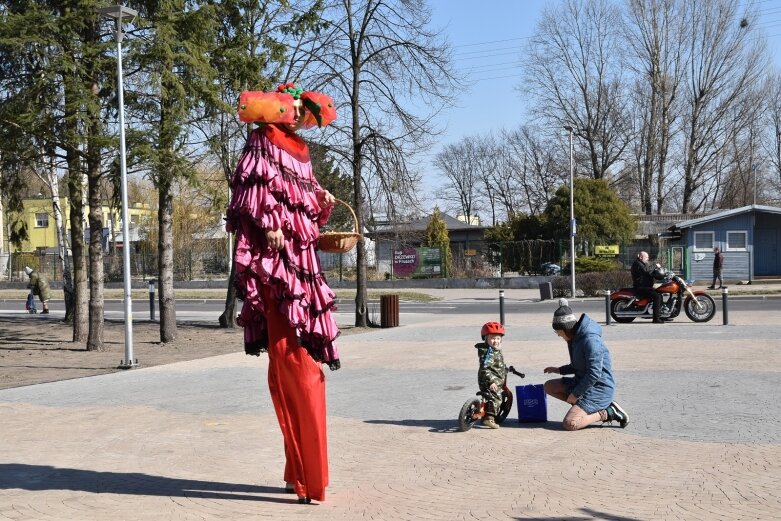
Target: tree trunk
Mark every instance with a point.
(62, 246)
(75, 193)
(228, 317)
(165, 263)
(2, 227)
(361, 298)
(75, 187)
(95, 337)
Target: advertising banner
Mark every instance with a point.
(606, 249)
(417, 262)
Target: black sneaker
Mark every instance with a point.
(616, 413)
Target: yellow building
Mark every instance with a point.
(38, 214)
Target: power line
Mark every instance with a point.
(499, 78)
(491, 55)
(492, 42)
(488, 51)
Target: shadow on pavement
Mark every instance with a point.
(45, 477)
(592, 514)
(441, 426)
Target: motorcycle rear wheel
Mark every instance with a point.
(466, 418)
(620, 305)
(703, 313)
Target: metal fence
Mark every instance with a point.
(522, 257)
(188, 265)
(493, 259)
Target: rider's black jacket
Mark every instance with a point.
(641, 274)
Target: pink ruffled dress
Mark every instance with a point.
(274, 188)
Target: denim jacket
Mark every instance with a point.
(590, 364)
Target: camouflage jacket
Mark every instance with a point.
(492, 369)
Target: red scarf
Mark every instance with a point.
(287, 141)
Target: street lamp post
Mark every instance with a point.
(119, 13)
(572, 224)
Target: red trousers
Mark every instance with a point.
(297, 387)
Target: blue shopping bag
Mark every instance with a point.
(532, 403)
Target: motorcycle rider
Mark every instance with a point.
(643, 283)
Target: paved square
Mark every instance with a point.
(199, 440)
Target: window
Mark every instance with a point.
(42, 220)
(737, 241)
(703, 240)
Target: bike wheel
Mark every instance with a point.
(701, 308)
(506, 407)
(467, 418)
(617, 306)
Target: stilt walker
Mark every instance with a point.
(276, 209)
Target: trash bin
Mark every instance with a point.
(546, 291)
(389, 311)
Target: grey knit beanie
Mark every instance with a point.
(563, 318)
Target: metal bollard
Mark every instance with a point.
(152, 299)
(607, 307)
(501, 306)
(725, 306)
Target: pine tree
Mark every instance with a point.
(179, 85)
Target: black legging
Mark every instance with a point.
(655, 297)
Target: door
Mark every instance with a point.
(766, 252)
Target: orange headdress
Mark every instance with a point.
(279, 106)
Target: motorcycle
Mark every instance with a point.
(625, 305)
(550, 269)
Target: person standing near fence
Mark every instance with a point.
(275, 211)
(39, 286)
(718, 264)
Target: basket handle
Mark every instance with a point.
(355, 218)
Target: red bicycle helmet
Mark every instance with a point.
(492, 328)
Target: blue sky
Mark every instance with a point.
(486, 44)
(486, 39)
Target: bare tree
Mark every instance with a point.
(740, 186)
(772, 137)
(500, 183)
(573, 70)
(656, 34)
(45, 168)
(457, 162)
(390, 74)
(536, 169)
(724, 60)
(493, 172)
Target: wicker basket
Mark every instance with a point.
(340, 242)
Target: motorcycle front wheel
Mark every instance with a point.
(620, 305)
(701, 308)
(466, 418)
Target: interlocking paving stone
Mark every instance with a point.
(199, 440)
